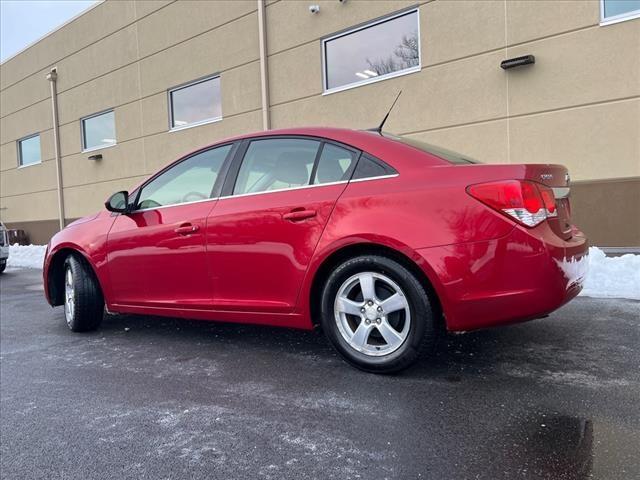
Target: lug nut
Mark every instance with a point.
(367, 321)
(362, 310)
(369, 303)
(379, 309)
(378, 320)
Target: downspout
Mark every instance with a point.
(264, 71)
(53, 77)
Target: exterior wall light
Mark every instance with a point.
(517, 62)
(314, 8)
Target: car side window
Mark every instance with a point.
(334, 164)
(188, 181)
(369, 167)
(275, 164)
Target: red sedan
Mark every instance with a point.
(382, 241)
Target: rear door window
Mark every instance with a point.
(335, 164)
(276, 164)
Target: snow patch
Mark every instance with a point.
(26, 256)
(574, 270)
(612, 277)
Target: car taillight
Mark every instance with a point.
(527, 202)
(549, 200)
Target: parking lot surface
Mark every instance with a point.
(153, 398)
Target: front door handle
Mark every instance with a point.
(298, 215)
(186, 229)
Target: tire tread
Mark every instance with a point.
(89, 302)
(422, 310)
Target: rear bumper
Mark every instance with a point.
(527, 274)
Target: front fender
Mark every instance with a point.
(87, 239)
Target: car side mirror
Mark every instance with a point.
(118, 202)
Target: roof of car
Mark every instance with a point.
(338, 134)
(368, 141)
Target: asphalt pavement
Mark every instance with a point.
(154, 398)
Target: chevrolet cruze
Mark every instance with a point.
(382, 241)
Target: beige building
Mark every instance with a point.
(139, 83)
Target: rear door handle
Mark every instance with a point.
(298, 215)
(186, 229)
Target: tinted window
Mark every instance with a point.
(374, 51)
(274, 164)
(188, 181)
(29, 150)
(621, 8)
(334, 164)
(196, 103)
(98, 131)
(448, 155)
(368, 167)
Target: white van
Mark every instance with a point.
(4, 247)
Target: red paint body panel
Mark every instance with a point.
(88, 237)
(257, 258)
(249, 261)
(151, 264)
(520, 276)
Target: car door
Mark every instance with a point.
(156, 253)
(262, 233)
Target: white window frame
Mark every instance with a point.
(363, 26)
(186, 85)
(83, 136)
(616, 18)
(19, 148)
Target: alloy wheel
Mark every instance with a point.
(372, 314)
(69, 296)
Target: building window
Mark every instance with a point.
(378, 50)
(613, 11)
(98, 131)
(29, 150)
(195, 103)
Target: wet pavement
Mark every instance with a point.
(152, 398)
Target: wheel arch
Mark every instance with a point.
(357, 249)
(55, 273)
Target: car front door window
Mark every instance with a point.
(189, 181)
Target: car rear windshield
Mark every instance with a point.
(448, 155)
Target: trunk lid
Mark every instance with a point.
(553, 176)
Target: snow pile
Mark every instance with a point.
(612, 277)
(26, 256)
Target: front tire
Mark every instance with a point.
(3, 265)
(83, 301)
(377, 314)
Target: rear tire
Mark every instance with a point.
(377, 314)
(3, 265)
(83, 301)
